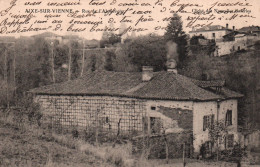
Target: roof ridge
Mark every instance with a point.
(136, 88)
(188, 88)
(164, 85)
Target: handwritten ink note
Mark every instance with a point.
(141, 16)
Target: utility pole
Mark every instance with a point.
(83, 58)
(183, 155)
(14, 68)
(6, 78)
(69, 72)
(52, 61)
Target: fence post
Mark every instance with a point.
(183, 156)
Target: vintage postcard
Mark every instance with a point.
(129, 83)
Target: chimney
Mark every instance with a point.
(226, 26)
(172, 66)
(147, 73)
(234, 28)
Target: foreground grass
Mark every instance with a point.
(31, 147)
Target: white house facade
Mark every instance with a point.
(214, 32)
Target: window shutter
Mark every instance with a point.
(230, 117)
(212, 120)
(226, 120)
(204, 123)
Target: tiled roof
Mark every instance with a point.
(206, 84)
(250, 28)
(211, 28)
(163, 85)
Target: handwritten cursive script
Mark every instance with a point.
(144, 16)
(4, 12)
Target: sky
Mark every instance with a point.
(156, 15)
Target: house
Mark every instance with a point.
(215, 32)
(142, 102)
(227, 40)
(254, 30)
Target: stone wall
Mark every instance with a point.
(106, 113)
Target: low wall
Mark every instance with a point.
(156, 145)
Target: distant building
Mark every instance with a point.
(215, 32)
(150, 102)
(228, 40)
(253, 30)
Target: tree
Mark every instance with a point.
(217, 134)
(93, 61)
(109, 60)
(75, 58)
(61, 62)
(147, 51)
(175, 33)
(41, 51)
(109, 39)
(113, 39)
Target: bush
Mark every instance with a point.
(31, 109)
(257, 44)
(233, 155)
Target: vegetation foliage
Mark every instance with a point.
(174, 32)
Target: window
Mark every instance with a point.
(208, 121)
(229, 141)
(153, 108)
(155, 125)
(228, 118)
(213, 35)
(208, 148)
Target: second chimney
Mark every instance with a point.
(226, 26)
(172, 66)
(147, 73)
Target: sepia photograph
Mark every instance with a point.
(129, 83)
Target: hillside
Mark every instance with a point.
(20, 147)
(240, 71)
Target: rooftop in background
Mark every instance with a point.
(250, 29)
(163, 86)
(211, 28)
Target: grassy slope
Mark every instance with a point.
(27, 148)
